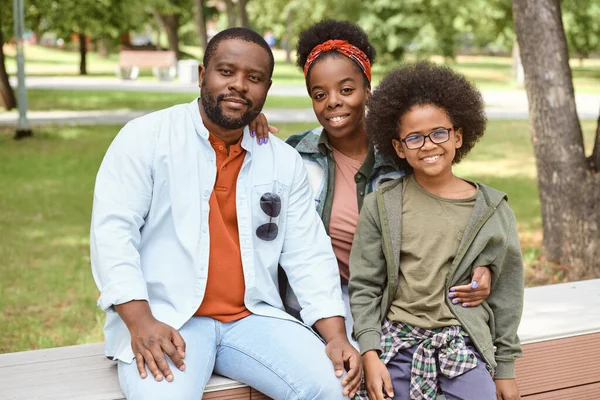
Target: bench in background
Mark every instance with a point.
(162, 62)
(560, 332)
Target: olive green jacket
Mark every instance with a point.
(490, 238)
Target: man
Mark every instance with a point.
(191, 219)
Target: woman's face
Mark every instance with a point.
(339, 96)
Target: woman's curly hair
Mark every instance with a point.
(418, 84)
(333, 30)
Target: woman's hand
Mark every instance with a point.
(260, 129)
(476, 292)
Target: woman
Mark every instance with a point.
(343, 166)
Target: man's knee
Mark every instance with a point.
(134, 387)
(324, 389)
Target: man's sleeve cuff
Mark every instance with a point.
(120, 293)
(312, 314)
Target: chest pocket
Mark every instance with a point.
(269, 208)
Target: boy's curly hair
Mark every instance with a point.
(333, 30)
(424, 83)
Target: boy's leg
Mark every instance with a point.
(200, 338)
(399, 369)
(282, 359)
(475, 384)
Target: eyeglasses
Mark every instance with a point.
(270, 203)
(416, 141)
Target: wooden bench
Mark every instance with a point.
(162, 62)
(560, 332)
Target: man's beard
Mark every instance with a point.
(213, 110)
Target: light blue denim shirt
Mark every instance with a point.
(150, 236)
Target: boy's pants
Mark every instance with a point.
(282, 359)
(475, 384)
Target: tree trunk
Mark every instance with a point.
(6, 91)
(82, 54)
(102, 46)
(569, 187)
(288, 33)
(171, 25)
(244, 14)
(201, 23)
(594, 159)
(231, 17)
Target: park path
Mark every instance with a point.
(500, 104)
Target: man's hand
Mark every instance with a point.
(344, 356)
(506, 389)
(476, 292)
(151, 340)
(377, 377)
(341, 352)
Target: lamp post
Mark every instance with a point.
(23, 128)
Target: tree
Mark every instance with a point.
(569, 183)
(86, 19)
(201, 23)
(171, 14)
(581, 26)
(243, 13)
(6, 91)
(287, 18)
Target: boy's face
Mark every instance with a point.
(431, 159)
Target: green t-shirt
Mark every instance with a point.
(432, 228)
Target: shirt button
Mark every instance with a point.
(204, 229)
(362, 193)
(206, 193)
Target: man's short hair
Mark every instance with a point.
(245, 34)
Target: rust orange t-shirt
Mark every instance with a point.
(225, 288)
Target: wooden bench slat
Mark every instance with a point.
(559, 363)
(147, 58)
(585, 392)
(59, 353)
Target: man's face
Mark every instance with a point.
(235, 83)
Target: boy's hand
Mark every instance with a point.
(260, 129)
(476, 292)
(506, 389)
(377, 377)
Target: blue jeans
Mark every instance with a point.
(282, 359)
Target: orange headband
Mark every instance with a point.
(343, 47)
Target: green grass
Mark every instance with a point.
(47, 294)
(490, 73)
(84, 100)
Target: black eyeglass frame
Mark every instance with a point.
(448, 130)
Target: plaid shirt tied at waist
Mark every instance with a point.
(446, 345)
